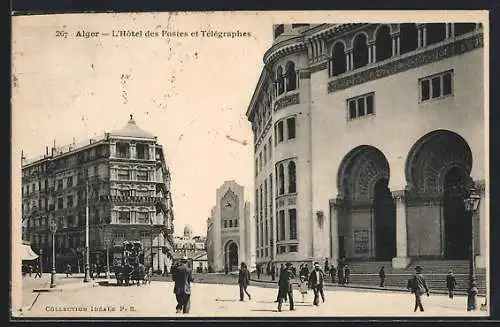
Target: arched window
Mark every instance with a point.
(292, 185)
(339, 64)
(360, 51)
(463, 28)
(281, 179)
(408, 36)
(383, 43)
(279, 80)
(436, 32)
(291, 76)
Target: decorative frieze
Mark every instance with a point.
(399, 196)
(304, 74)
(287, 100)
(416, 60)
(318, 67)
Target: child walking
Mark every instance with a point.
(303, 287)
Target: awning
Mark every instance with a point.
(28, 253)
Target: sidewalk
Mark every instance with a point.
(330, 285)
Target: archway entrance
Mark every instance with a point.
(231, 257)
(367, 226)
(458, 226)
(385, 221)
(437, 170)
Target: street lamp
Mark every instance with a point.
(53, 229)
(107, 259)
(472, 201)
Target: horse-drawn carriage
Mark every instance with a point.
(130, 268)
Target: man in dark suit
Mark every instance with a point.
(419, 288)
(244, 281)
(183, 277)
(285, 286)
(316, 280)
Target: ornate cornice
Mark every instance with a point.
(407, 62)
(287, 100)
(284, 48)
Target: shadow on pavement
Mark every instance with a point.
(264, 310)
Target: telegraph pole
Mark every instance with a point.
(87, 254)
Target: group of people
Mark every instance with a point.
(314, 280)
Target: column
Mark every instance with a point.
(393, 38)
(335, 208)
(401, 260)
(349, 59)
(374, 52)
(133, 153)
(112, 149)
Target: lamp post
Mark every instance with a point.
(53, 229)
(107, 259)
(471, 201)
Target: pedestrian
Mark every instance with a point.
(30, 270)
(282, 267)
(285, 287)
(316, 282)
(68, 270)
(226, 269)
(333, 272)
(183, 277)
(418, 287)
(347, 274)
(340, 275)
(303, 287)
(150, 274)
(451, 283)
(258, 271)
(327, 267)
(38, 271)
(244, 281)
(278, 295)
(381, 275)
(273, 272)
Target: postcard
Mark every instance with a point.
(250, 164)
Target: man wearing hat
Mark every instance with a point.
(316, 280)
(419, 287)
(183, 277)
(285, 286)
(451, 283)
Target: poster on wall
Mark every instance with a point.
(361, 241)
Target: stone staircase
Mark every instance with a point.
(366, 273)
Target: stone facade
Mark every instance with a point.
(128, 186)
(382, 124)
(229, 229)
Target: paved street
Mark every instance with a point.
(77, 299)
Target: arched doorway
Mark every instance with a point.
(231, 255)
(437, 170)
(384, 212)
(367, 225)
(457, 223)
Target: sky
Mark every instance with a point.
(191, 92)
